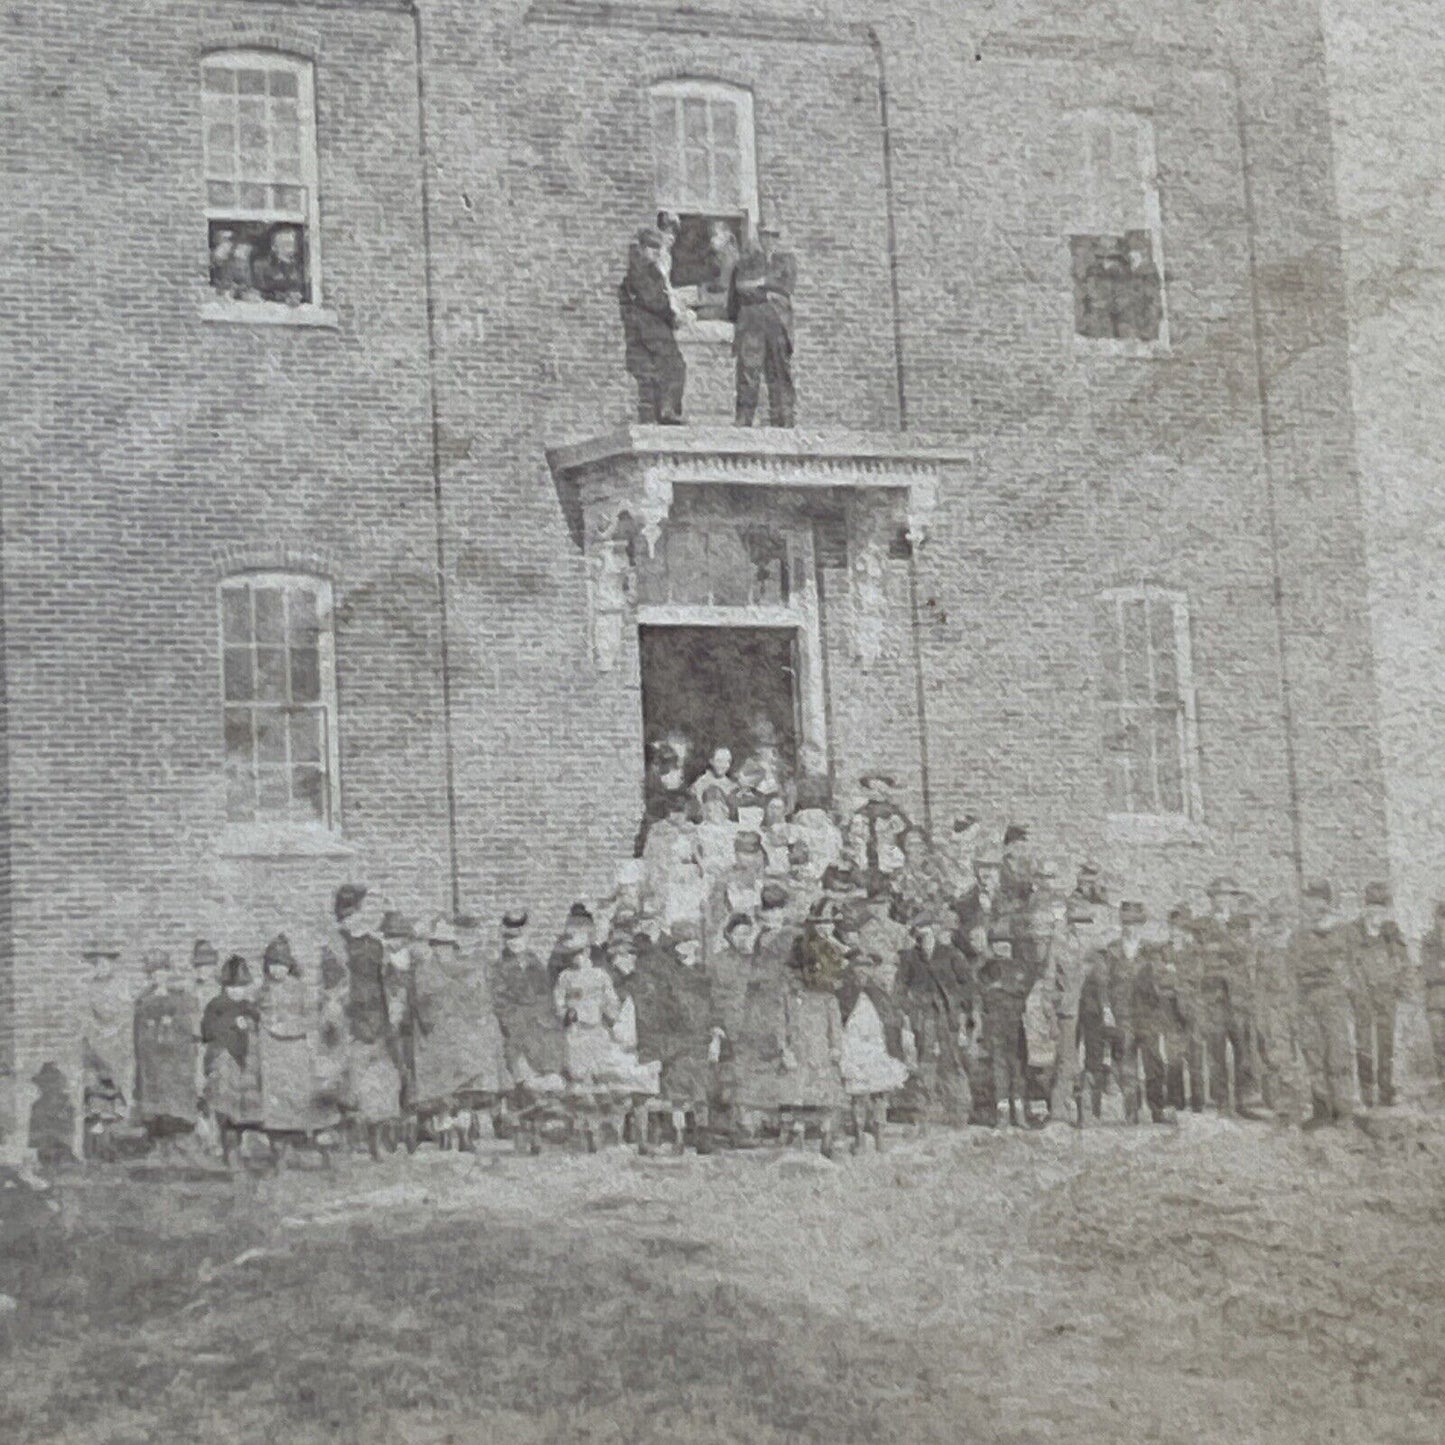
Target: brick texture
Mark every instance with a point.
(152, 451)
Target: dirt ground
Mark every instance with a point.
(1212, 1281)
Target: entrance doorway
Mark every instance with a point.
(721, 687)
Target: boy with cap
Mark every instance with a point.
(1068, 959)
(1319, 961)
(531, 1033)
(938, 989)
(1120, 966)
(1004, 986)
(1379, 969)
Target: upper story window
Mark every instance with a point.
(1147, 705)
(1115, 230)
(279, 697)
(261, 178)
(706, 173)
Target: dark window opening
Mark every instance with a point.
(1118, 292)
(260, 261)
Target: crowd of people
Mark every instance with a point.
(768, 970)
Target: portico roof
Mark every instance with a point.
(635, 467)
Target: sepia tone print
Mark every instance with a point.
(719, 722)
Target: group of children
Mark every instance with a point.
(760, 970)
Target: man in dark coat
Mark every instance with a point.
(760, 306)
(938, 990)
(1378, 979)
(522, 992)
(649, 325)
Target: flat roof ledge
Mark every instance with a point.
(634, 468)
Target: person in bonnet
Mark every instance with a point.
(165, 1042)
(291, 1102)
(230, 1028)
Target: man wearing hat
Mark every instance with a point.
(1004, 986)
(1220, 968)
(1379, 969)
(165, 1047)
(1120, 965)
(522, 989)
(760, 306)
(650, 317)
(938, 991)
(1186, 992)
(579, 935)
(230, 1032)
(1319, 957)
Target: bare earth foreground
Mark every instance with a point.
(1218, 1281)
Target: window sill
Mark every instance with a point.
(1155, 828)
(1116, 347)
(268, 313)
(280, 840)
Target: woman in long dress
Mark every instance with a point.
(291, 1084)
(877, 1042)
(230, 1039)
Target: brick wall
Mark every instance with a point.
(154, 450)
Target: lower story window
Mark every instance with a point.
(260, 261)
(279, 691)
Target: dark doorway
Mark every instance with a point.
(714, 686)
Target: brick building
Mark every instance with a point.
(329, 550)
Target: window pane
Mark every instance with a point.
(1141, 760)
(664, 148)
(305, 675)
(239, 684)
(697, 187)
(253, 198)
(282, 82)
(219, 79)
(726, 156)
(220, 148)
(1166, 738)
(273, 790)
(220, 193)
(271, 674)
(1136, 651)
(1161, 636)
(253, 147)
(238, 738)
(283, 118)
(287, 198)
(236, 615)
(308, 788)
(270, 615)
(240, 795)
(270, 736)
(303, 627)
(305, 737)
(251, 82)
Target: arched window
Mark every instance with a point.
(262, 217)
(1147, 703)
(279, 697)
(705, 168)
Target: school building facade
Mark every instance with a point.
(330, 553)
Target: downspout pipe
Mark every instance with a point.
(915, 622)
(438, 511)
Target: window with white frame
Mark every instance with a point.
(259, 121)
(1146, 699)
(279, 693)
(705, 171)
(1115, 230)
